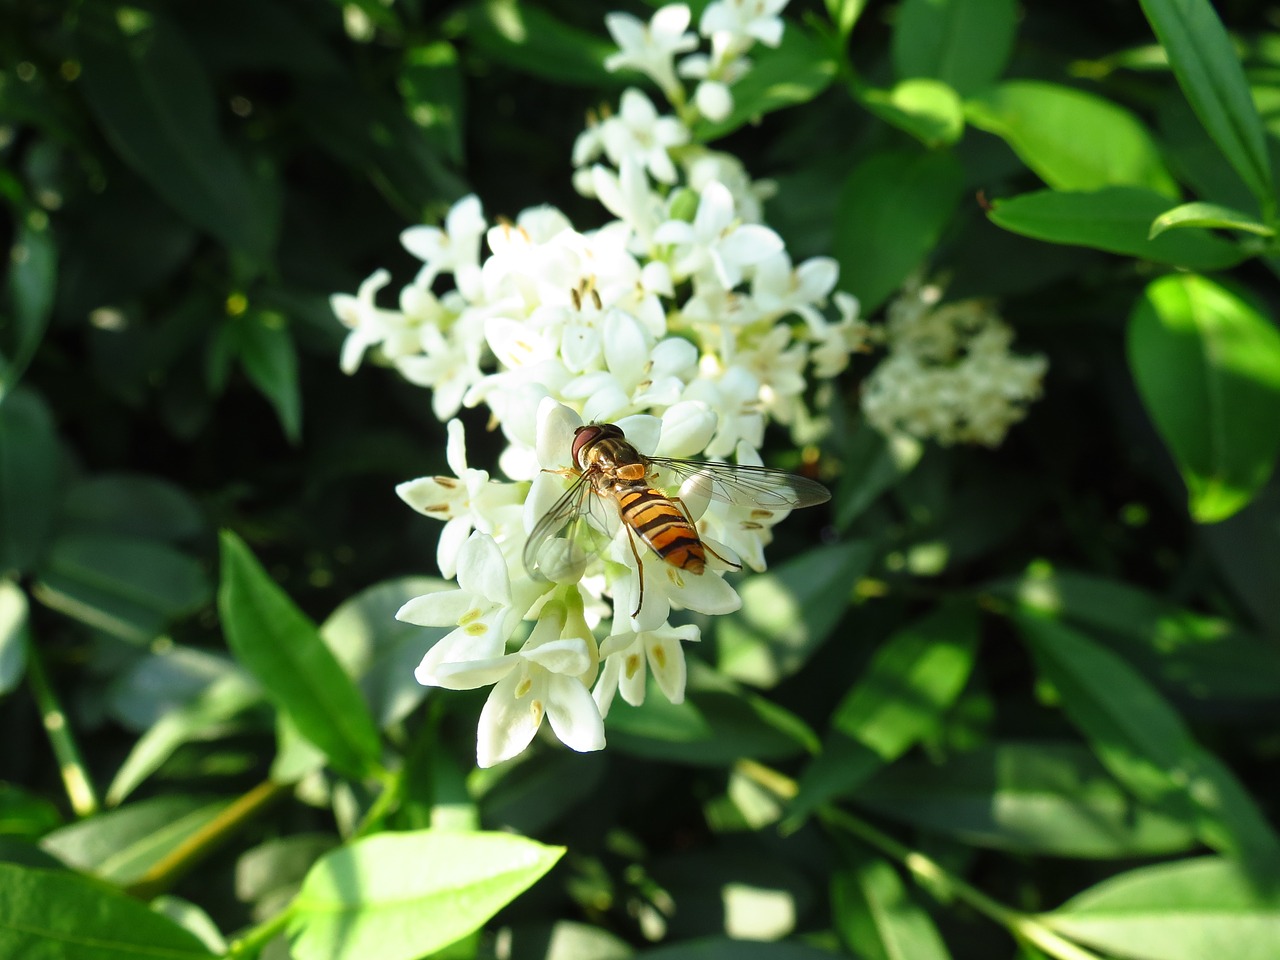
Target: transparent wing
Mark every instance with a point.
(746, 486)
(568, 535)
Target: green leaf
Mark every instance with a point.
(148, 91)
(1204, 60)
(1045, 124)
(723, 948)
(1115, 219)
(270, 360)
(1207, 365)
(892, 210)
(13, 636)
(283, 650)
(120, 846)
(28, 297)
(431, 82)
(131, 505)
(909, 684)
(1210, 215)
(794, 72)
(60, 916)
(24, 814)
(964, 43)
(873, 463)
(130, 588)
(877, 916)
(28, 480)
(788, 613)
(1188, 910)
(845, 14)
(528, 38)
(929, 110)
(1145, 744)
(1043, 798)
(400, 896)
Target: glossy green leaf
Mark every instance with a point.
(270, 360)
(530, 39)
(877, 916)
(1071, 139)
(148, 91)
(794, 72)
(130, 588)
(1208, 215)
(1207, 365)
(789, 612)
(28, 480)
(1186, 910)
(1115, 219)
(28, 298)
(400, 896)
(1204, 60)
(283, 650)
(912, 680)
(131, 505)
(964, 43)
(927, 109)
(120, 846)
(60, 916)
(24, 814)
(13, 635)
(1143, 742)
(1046, 798)
(891, 213)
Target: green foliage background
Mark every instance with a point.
(1019, 703)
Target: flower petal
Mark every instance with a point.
(507, 724)
(574, 716)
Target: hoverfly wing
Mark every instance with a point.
(745, 485)
(564, 538)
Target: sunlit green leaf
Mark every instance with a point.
(1209, 215)
(964, 43)
(877, 916)
(927, 109)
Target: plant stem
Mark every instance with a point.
(75, 777)
(258, 937)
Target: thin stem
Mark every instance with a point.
(258, 937)
(384, 803)
(75, 776)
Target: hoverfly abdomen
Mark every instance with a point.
(663, 527)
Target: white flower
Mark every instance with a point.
(640, 133)
(454, 249)
(715, 241)
(369, 325)
(744, 21)
(625, 656)
(651, 48)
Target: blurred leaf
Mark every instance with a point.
(193, 919)
(892, 211)
(929, 110)
(400, 896)
(166, 678)
(28, 480)
(877, 916)
(28, 298)
(530, 39)
(723, 948)
(222, 700)
(1246, 548)
(964, 43)
(149, 92)
(1042, 123)
(530, 798)
(789, 612)
(794, 72)
(1207, 365)
(1210, 215)
(128, 587)
(13, 636)
(431, 83)
(1187, 910)
(52, 914)
(131, 505)
(24, 814)
(873, 463)
(1145, 744)
(566, 940)
(268, 875)
(1204, 60)
(1044, 798)
(120, 846)
(282, 648)
(270, 360)
(845, 14)
(912, 680)
(1115, 219)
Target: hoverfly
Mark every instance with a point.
(607, 467)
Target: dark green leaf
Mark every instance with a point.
(60, 916)
(892, 210)
(24, 814)
(788, 613)
(1042, 123)
(283, 649)
(28, 480)
(1204, 60)
(964, 43)
(878, 918)
(132, 506)
(529, 38)
(1207, 365)
(1188, 910)
(128, 587)
(400, 896)
(28, 298)
(1115, 219)
(431, 83)
(267, 352)
(873, 463)
(722, 948)
(1046, 798)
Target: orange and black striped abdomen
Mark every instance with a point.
(663, 527)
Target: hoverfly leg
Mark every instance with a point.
(631, 541)
(705, 546)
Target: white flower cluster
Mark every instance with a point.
(949, 374)
(683, 321)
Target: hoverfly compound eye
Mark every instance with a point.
(581, 438)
